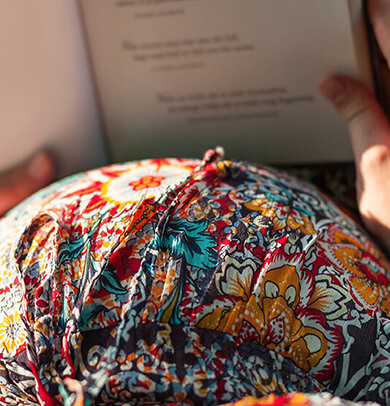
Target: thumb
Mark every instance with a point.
(370, 136)
(25, 179)
(366, 121)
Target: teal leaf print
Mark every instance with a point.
(71, 250)
(88, 313)
(190, 240)
(109, 281)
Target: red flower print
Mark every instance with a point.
(146, 182)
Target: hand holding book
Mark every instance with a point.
(369, 131)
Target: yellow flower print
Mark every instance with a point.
(291, 399)
(12, 334)
(264, 206)
(328, 298)
(385, 302)
(284, 310)
(217, 317)
(348, 253)
(282, 216)
(273, 314)
(234, 280)
(368, 289)
(223, 168)
(296, 221)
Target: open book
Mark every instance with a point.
(115, 80)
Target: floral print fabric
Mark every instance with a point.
(189, 282)
(298, 399)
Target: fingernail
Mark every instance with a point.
(333, 89)
(40, 167)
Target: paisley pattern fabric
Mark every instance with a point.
(190, 282)
(298, 399)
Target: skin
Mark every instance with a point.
(369, 131)
(18, 183)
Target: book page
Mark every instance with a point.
(176, 77)
(47, 98)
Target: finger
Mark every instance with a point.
(370, 137)
(22, 181)
(367, 123)
(379, 11)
